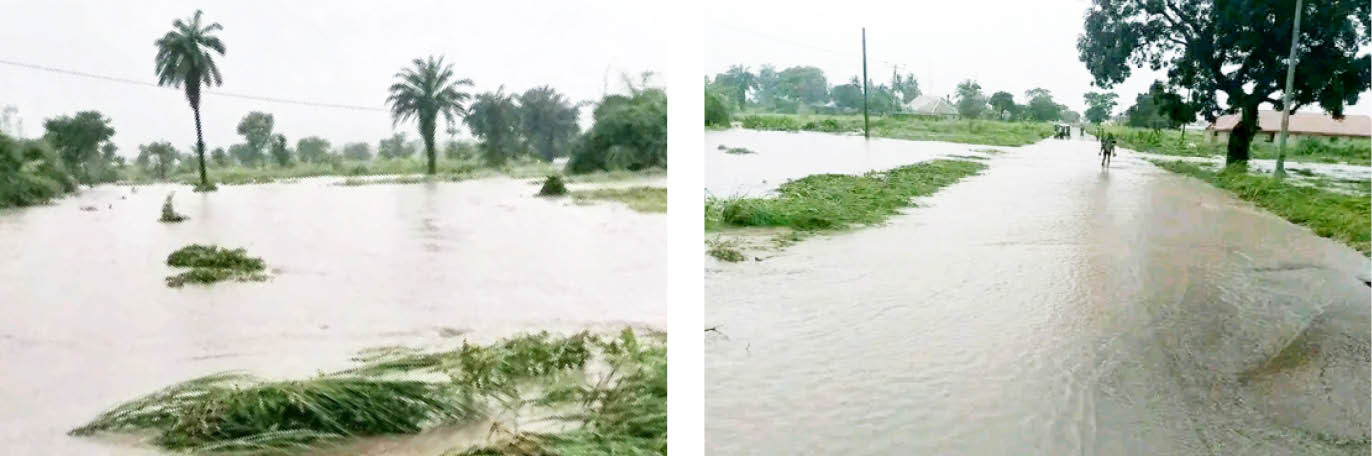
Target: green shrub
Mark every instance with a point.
(630, 132)
(169, 214)
(31, 173)
(716, 110)
(553, 186)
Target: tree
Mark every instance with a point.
(549, 121)
(1070, 116)
(396, 146)
(280, 154)
(629, 132)
(256, 128)
(971, 102)
(1217, 47)
(1002, 102)
(77, 140)
(312, 150)
(245, 154)
(906, 86)
(359, 151)
(423, 92)
(804, 85)
(716, 107)
(768, 81)
(494, 119)
(1041, 106)
(737, 82)
(1099, 106)
(848, 96)
(10, 122)
(881, 100)
(220, 158)
(157, 158)
(183, 59)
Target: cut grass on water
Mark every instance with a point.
(210, 264)
(724, 249)
(735, 150)
(622, 411)
(641, 199)
(1341, 217)
(839, 201)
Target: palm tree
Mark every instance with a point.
(424, 91)
(183, 59)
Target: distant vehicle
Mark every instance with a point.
(1062, 131)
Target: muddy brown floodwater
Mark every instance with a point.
(88, 322)
(1046, 307)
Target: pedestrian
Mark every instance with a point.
(1107, 149)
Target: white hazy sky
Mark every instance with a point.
(1002, 44)
(339, 52)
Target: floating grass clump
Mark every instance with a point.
(553, 186)
(169, 214)
(724, 249)
(642, 199)
(838, 201)
(619, 411)
(210, 264)
(1346, 218)
(735, 150)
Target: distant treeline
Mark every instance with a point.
(805, 89)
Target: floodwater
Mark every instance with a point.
(89, 323)
(1046, 307)
(781, 156)
(1349, 174)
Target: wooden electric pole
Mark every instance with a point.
(866, 127)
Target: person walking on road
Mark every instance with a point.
(1107, 149)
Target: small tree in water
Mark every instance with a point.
(169, 214)
(553, 186)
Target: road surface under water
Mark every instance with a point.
(781, 156)
(1046, 307)
(89, 323)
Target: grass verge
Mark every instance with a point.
(623, 410)
(1195, 144)
(988, 132)
(210, 264)
(1338, 216)
(642, 199)
(839, 201)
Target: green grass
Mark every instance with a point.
(989, 132)
(1338, 216)
(209, 264)
(619, 411)
(642, 199)
(839, 201)
(1196, 144)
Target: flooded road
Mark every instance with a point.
(89, 322)
(780, 156)
(1046, 307)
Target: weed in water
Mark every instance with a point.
(1343, 217)
(735, 150)
(169, 214)
(553, 186)
(724, 249)
(838, 201)
(642, 199)
(210, 264)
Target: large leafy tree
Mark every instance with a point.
(397, 146)
(281, 154)
(848, 96)
(1099, 106)
(359, 151)
(494, 119)
(1041, 106)
(630, 132)
(971, 102)
(803, 85)
(1235, 48)
(184, 59)
(77, 140)
(256, 128)
(1003, 102)
(424, 91)
(906, 86)
(312, 149)
(157, 158)
(549, 121)
(737, 82)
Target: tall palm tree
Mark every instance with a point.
(424, 91)
(184, 59)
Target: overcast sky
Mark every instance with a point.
(1004, 45)
(327, 51)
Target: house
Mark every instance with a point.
(1300, 126)
(925, 105)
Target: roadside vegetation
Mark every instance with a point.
(1195, 144)
(209, 264)
(611, 392)
(31, 173)
(641, 199)
(839, 201)
(1342, 217)
(988, 132)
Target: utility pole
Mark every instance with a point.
(1286, 96)
(866, 127)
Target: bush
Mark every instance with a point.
(553, 186)
(31, 173)
(716, 110)
(630, 132)
(169, 214)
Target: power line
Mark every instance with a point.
(209, 92)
